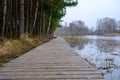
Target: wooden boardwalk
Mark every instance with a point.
(54, 60)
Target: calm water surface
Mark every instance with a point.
(103, 52)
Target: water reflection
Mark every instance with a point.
(78, 44)
(107, 46)
(113, 75)
(103, 53)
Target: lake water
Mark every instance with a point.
(102, 52)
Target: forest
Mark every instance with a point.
(104, 26)
(19, 18)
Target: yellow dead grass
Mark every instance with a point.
(11, 49)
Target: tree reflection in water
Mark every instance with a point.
(107, 46)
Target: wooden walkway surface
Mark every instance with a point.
(54, 60)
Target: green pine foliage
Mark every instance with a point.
(31, 17)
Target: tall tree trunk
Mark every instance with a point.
(22, 19)
(36, 14)
(11, 19)
(31, 17)
(41, 18)
(4, 17)
(49, 24)
(44, 24)
(27, 20)
(16, 18)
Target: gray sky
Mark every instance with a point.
(91, 10)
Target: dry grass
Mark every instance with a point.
(113, 34)
(10, 49)
(76, 39)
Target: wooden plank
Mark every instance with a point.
(57, 76)
(48, 79)
(53, 73)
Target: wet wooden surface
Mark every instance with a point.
(54, 60)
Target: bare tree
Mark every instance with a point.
(118, 26)
(106, 26)
(75, 28)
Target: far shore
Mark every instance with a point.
(114, 34)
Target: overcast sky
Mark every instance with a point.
(91, 10)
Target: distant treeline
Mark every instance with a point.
(31, 17)
(74, 28)
(103, 26)
(107, 26)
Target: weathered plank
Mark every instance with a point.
(54, 60)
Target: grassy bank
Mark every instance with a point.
(11, 49)
(114, 34)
